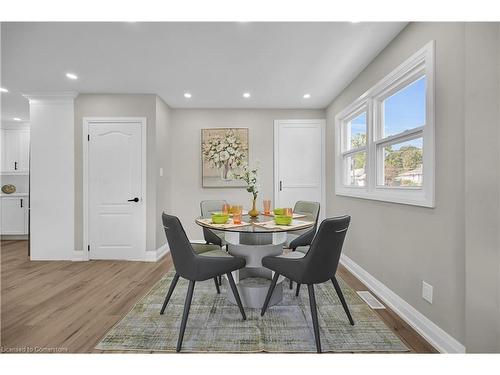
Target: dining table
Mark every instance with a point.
(253, 239)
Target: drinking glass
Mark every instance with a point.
(237, 214)
(288, 212)
(267, 206)
(225, 209)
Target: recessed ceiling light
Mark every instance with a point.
(16, 119)
(246, 95)
(3, 90)
(71, 76)
(306, 96)
(187, 95)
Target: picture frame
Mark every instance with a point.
(223, 152)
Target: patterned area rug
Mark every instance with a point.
(215, 325)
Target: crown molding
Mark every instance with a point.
(50, 96)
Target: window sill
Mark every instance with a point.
(410, 197)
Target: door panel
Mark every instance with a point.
(114, 176)
(10, 146)
(24, 150)
(299, 164)
(14, 215)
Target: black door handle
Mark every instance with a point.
(281, 185)
(133, 200)
(21, 202)
(15, 165)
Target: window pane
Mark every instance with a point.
(403, 163)
(405, 109)
(356, 132)
(356, 169)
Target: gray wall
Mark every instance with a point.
(186, 170)
(402, 245)
(113, 105)
(482, 188)
(163, 160)
(454, 246)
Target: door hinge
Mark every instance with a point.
(88, 248)
(88, 137)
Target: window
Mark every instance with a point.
(385, 139)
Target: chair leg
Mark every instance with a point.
(269, 293)
(216, 280)
(342, 300)
(314, 314)
(220, 280)
(298, 290)
(236, 295)
(187, 306)
(291, 284)
(170, 291)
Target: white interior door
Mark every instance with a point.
(299, 162)
(116, 206)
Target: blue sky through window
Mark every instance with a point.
(405, 109)
(418, 142)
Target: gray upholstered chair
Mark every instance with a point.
(300, 240)
(304, 237)
(317, 266)
(214, 237)
(195, 267)
(207, 208)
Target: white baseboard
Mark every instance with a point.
(151, 256)
(156, 255)
(80, 256)
(437, 337)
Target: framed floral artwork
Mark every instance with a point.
(224, 152)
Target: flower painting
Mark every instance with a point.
(224, 153)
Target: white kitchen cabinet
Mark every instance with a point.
(14, 215)
(15, 151)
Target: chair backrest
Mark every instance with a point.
(310, 209)
(182, 252)
(323, 256)
(210, 206)
(207, 208)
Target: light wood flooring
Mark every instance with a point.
(70, 306)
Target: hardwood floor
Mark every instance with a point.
(69, 306)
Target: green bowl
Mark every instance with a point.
(219, 218)
(279, 211)
(282, 220)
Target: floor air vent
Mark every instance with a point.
(370, 300)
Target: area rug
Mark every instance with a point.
(215, 325)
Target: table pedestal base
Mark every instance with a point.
(253, 281)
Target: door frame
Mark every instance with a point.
(85, 144)
(322, 123)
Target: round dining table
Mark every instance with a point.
(253, 240)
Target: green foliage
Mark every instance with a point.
(359, 140)
(399, 161)
(405, 159)
(250, 177)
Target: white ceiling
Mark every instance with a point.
(216, 62)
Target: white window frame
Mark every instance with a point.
(418, 65)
